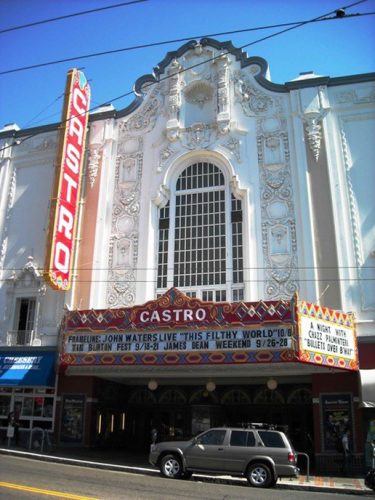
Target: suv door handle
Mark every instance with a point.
(220, 449)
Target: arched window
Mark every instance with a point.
(142, 397)
(202, 396)
(300, 396)
(265, 396)
(235, 397)
(200, 237)
(172, 396)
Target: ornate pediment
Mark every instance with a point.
(29, 277)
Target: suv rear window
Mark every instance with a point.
(272, 439)
(242, 438)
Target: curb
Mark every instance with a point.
(325, 489)
(282, 484)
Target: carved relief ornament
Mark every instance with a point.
(144, 119)
(252, 100)
(277, 212)
(123, 248)
(313, 129)
(198, 136)
(94, 163)
(199, 92)
(223, 108)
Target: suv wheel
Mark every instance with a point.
(170, 466)
(259, 475)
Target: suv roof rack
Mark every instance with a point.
(262, 425)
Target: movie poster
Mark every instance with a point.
(336, 419)
(72, 419)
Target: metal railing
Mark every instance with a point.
(39, 438)
(20, 337)
(300, 453)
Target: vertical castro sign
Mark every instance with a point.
(65, 198)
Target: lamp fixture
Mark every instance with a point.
(272, 384)
(152, 385)
(210, 386)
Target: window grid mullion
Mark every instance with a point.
(196, 241)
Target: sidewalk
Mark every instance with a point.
(137, 463)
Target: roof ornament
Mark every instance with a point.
(198, 49)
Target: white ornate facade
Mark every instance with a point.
(291, 167)
(286, 153)
(27, 171)
(298, 156)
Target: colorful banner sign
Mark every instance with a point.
(326, 337)
(211, 340)
(175, 310)
(64, 203)
(179, 330)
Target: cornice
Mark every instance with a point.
(330, 82)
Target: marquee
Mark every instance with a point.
(178, 330)
(326, 337)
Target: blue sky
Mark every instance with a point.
(33, 97)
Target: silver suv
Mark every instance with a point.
(259, 454)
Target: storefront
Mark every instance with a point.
(367, 399)
(27, 388)
(181, 365)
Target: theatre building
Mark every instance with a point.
(223, 270)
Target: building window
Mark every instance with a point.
(163, 247)
(24, 321)
(265, 396)
(142, 397)
(200, 248)
(300, 396)
(172, 396)
(237, 241)
(36, 407)
(235, 397)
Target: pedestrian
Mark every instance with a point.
(154, 435)
(14, 422)
(347, 453)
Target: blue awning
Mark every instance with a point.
(30, 368)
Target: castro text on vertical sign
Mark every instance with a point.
(64, 204)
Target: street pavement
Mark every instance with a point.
(120, 460)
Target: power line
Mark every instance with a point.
(43, 110)
(150, 84)
(84, 12)
(176, 40)
(286, 30)
(250, 268)
(266, 280)
(303, 23)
